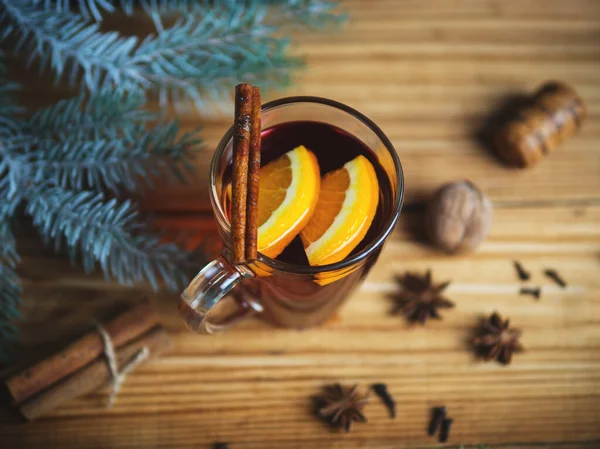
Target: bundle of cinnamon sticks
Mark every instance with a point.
(82, 367)
(245, 176)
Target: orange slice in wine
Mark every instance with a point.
(288, 193)
(345, 210)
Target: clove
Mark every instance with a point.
(381, 391)
(535, 292)
(523, 275)
(553, 274)
(445, 430)
(438, 414)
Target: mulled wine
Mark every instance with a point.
(333, 148)
(281, 296)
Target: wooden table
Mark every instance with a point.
(430, 73)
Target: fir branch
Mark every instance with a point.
(108, 233)
(103, 143)
(316, 14)
(10, 287)
(100, 116)
(197, 56)
(57, 161)
(11, 174)
(9, 110)
(9, 124)
(116, 164)
(67, 42)
(87, 8)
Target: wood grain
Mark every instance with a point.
(431, 78)
(430, 74)
(252, 385)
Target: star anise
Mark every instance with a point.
(498, 341)
(419, 298)
(340, 406)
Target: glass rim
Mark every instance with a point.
(348, 261)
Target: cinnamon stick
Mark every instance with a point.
(122, 329)
(241, 150)
(253, 179)
(93, 376)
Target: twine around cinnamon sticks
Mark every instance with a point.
(82, 366)
(245, 177)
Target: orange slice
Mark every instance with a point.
(345, 210)
(287, 196)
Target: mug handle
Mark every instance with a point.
(209, 286)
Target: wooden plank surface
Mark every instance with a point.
(252, 385)
(429, 73)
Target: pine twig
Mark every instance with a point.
(100, 116)
(81, 143)
(9, 124)
(194, 58)
(316, 14)
(57, 161)
(106, 232)
(10, 288)
(103, 142)
(9, 109)
(88, 8)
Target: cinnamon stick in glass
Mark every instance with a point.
(93, 376)
(122, 329)
(253, 179)
(241, 153)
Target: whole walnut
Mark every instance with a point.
(458, 217)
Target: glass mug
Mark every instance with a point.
(288, 295)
